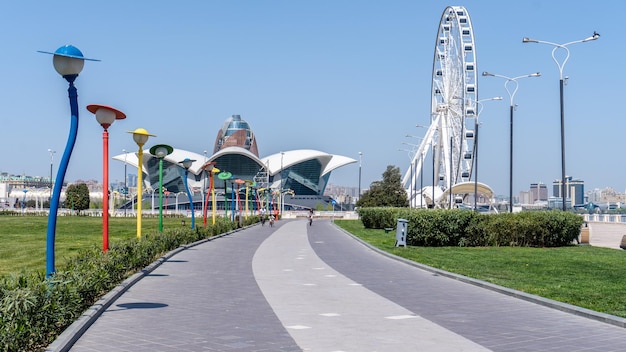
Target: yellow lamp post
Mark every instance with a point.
(140, 136)
(249, 184)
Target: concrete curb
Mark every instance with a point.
(68, 338)
(564, 307)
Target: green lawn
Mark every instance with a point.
(585, 276)
(23, 238)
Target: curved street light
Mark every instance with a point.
(187, 164)
(161, 151)
(105, 115)
(511, 91)
(140, 136)
(561, 65)
(68, 61)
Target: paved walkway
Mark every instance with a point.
(606, 234)
(299, 288)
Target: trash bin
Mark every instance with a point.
(584, 234)
(401, 229)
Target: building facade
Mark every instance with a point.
(575, 190)
(292, 175)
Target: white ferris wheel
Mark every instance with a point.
(450, 136)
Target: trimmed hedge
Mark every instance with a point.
(35, 310)
(467, 228)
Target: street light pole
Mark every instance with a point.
(125, 183)
(208, 168)
(105, 115)
(140, 136)
(51, 162)
(161, 151)
(68, 61)
(282, 183)
(187, 164)
(421, 180)
(561, 65)
(204, 189)
(360, 164)
(478, 111)
(511, 91)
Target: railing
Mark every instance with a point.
(612, 218)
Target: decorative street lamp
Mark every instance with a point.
(212, 187)
(511, 90)
(208, 167)
(161, 151)
(239, 182)
(140, 136)
(187, 164)
(249, 184)
(232, 197)
(125, 183)
(68, 61)
(225, 175)
(204, 188)
(560, 65)
(105, 115)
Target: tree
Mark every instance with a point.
(386, 193)
(77, 197)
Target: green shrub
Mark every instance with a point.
(466, 228)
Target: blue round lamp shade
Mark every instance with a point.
(68, 60)
(69, 51)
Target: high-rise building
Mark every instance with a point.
(538, 192)
(575, 190)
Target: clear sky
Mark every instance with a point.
(342, 77)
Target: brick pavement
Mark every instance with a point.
(294, 287)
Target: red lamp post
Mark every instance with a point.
(209, 168)
(105, 115)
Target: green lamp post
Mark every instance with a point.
(161, 151)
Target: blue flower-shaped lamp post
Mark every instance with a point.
(68, 61)
(187, 164)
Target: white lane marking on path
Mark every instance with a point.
(364, 321)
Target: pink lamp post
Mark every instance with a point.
(105, 115)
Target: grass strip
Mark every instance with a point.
(23, 238)
(585, 276)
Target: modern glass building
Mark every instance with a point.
(575, 190)
(302, 173)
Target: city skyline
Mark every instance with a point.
(355, 75)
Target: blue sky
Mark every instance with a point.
(339, 76)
